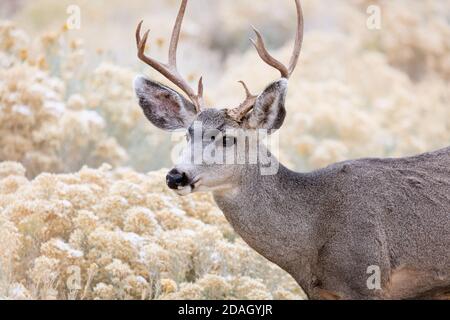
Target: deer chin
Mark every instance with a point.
(184, 191)
(191, 188)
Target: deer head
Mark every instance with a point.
(212, 129)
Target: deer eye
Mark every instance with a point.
(228, 141)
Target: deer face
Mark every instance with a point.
(211, 161)
(218, 145)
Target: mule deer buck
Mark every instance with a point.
(329, 228)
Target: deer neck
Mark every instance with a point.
(273, 215)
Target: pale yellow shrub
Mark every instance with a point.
(97, 222)
(37, 128)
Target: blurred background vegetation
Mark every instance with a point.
(67, 101)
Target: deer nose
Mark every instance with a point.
(176, 179)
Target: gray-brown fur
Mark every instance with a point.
(326, 227)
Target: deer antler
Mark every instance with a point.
(244, 107)
(170, 70)
(239, 113)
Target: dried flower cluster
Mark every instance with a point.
(118, 234)
(39, 127)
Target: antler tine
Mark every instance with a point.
(266, 56)
(176, 35)
(298, 39)
(239, 113)
(247, 91)
(200, 91)
(170, 70)
(269, 59)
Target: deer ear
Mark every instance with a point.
(164, 107)
(269, 111)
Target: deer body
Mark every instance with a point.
(331, 228)
(327, 227)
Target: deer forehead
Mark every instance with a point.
(214, 119)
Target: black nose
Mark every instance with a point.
(176, 179)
